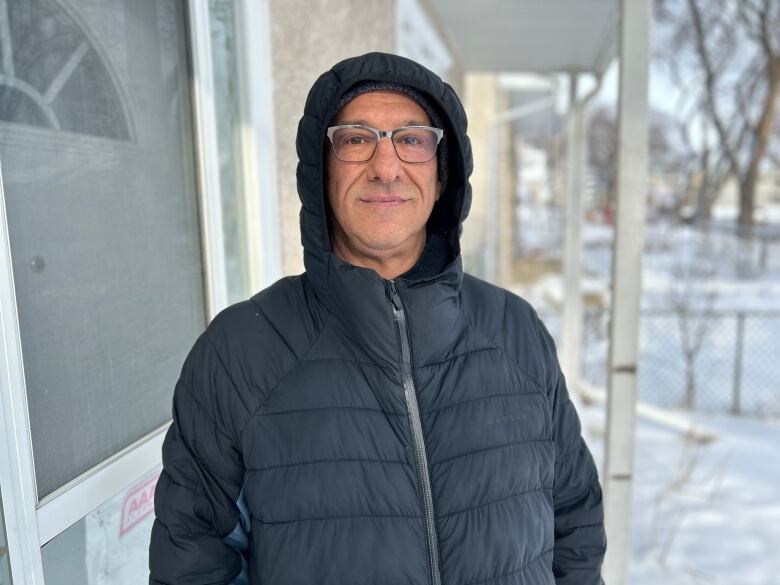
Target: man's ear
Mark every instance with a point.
(438, 190)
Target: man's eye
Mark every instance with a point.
(416, 139)
(353, 140)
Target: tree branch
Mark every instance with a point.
(765, 122)
(749, 20)
(710, 83)
(764, 17)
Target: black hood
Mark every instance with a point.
(453, 206)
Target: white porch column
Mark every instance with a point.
(572, 248)
(626, 282)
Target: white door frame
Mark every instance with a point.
(30, 523)
(17, 469)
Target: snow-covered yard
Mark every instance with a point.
(703, 513)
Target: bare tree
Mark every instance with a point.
(668, 155)
(692, 303)
(725, 57)
(602, 149)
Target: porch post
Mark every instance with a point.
(634, 34)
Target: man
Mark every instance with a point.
(383, 418)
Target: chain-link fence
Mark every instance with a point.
(708, 361)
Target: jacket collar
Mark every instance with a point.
(361, 308)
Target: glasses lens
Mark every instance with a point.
(354, 144)
(415, 144)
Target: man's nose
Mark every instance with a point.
(385, 165)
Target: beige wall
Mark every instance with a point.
(483, 99)
(507, 186)
(308, 37)
(479, 100)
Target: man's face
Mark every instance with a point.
(380, 207)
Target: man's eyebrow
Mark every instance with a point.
(403, 124)
(351, 122)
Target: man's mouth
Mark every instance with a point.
(383, 200)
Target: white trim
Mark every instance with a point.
(17, 468)
(205, 119)
(258, 141)
(63, 508)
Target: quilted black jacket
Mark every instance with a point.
(342, 429)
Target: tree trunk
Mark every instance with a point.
(690, 382)
(704, 211)
(747, 184)
(704, 198)
(747, 202)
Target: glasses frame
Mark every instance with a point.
(385, 134)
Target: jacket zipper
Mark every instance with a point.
(417, 435)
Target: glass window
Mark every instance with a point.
(99, 177)
(110, 545)
(227, 103)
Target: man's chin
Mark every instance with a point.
(383, 246)
(387, 240)
(380, 244)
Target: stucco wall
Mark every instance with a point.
(308, 37)
(480, 101)
(483, 98)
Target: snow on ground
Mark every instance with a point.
(706, 267)
(703, 514)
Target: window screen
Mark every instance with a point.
(97, 164)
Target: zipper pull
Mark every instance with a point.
(394, 297)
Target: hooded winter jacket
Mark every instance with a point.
(342, 429)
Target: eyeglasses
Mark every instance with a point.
(357, 143)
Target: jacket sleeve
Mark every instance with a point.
(580, 540)
(199, 535)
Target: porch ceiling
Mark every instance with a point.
(530, 35)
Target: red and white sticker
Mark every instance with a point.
(138, 504)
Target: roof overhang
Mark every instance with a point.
(544, 36)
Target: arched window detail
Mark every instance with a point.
(54, 75)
